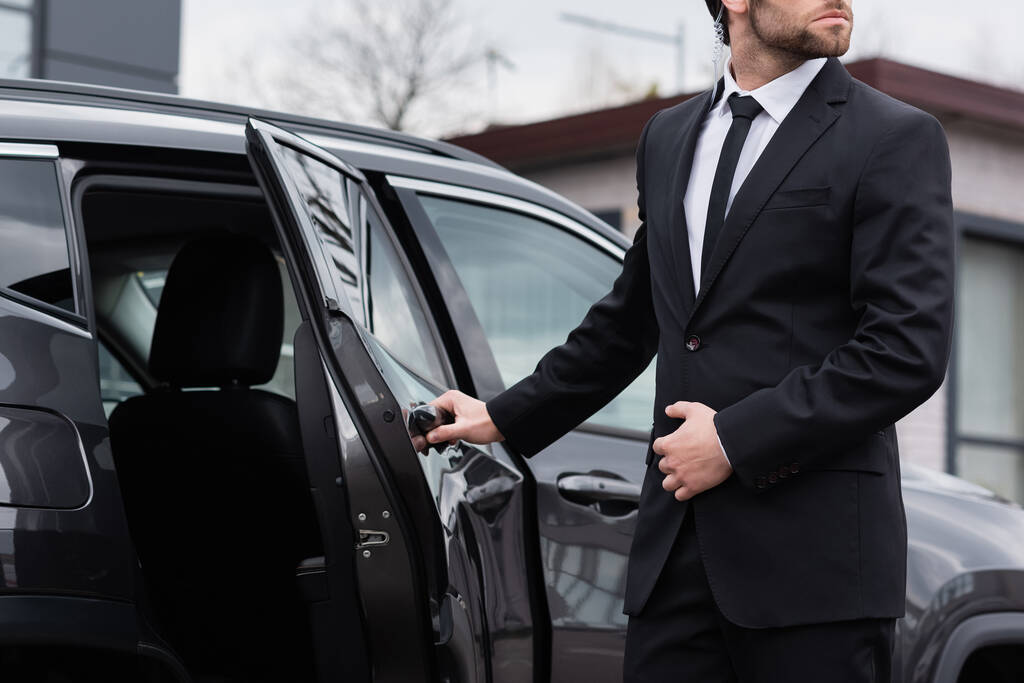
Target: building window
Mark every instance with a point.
(989, 403)
(16, 20)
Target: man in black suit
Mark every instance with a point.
(794, 273)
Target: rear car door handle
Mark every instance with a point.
(589, 488)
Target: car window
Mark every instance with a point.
(394, 315)
(366, 264)
(410, 390)
(134, 317)
(531, 283)
(283, 381)
(325, 193)
(34, 259)
(152, 282)
(116, 384)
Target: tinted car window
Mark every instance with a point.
(531, 283)
(394, 314)
(354, 241)
(34, 258)
(133, 316)
(410, 390)
(325, 192)
(116, 384)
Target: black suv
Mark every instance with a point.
(216, 328)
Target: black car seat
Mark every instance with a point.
(213, 478)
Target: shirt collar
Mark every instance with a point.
(777, 97)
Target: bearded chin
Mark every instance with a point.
(801, 43)
(811, 46)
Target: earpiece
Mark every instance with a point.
(716, 50)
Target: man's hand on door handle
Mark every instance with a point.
(472, 422)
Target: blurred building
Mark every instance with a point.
(974, 425)
(123, 43)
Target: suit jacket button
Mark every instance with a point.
(692, 342)
(772, 478)
(760, 482)
(794, 467)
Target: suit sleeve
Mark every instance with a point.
(901, 285)
(613, 344)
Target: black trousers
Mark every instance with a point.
(680, 636)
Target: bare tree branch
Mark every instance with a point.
(415, 65)
(391, 60)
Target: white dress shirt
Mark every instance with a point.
(777, 98)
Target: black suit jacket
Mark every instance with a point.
(824, 316)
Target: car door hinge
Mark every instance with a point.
(369, 538)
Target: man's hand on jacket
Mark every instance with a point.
(692, 457)
(472, 421)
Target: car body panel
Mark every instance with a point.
(584, 551)
(48, 368)
(42, 464)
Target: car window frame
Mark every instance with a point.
(482, 364)
(80, 179)
(514, 204)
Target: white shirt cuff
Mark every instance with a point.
(723, 450)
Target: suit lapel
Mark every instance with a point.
(808, 120)
(679, 234)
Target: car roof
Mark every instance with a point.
(52, 111)
(139, 100)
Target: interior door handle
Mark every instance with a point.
(590, 488)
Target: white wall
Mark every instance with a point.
(922, 433)
(988, 169)
(597, 186)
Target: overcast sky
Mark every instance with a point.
(561, 67)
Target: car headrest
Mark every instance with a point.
(221, 315)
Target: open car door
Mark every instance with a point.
(424, 553)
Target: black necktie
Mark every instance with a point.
(744, 110)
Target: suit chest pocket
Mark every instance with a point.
(799, 198)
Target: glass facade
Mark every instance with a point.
(119, 43)
(16, 23)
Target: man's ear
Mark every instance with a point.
(736, 6)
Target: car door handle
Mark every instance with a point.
(422, 418)
(589, 488)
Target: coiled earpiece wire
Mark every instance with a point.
(716, 52)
